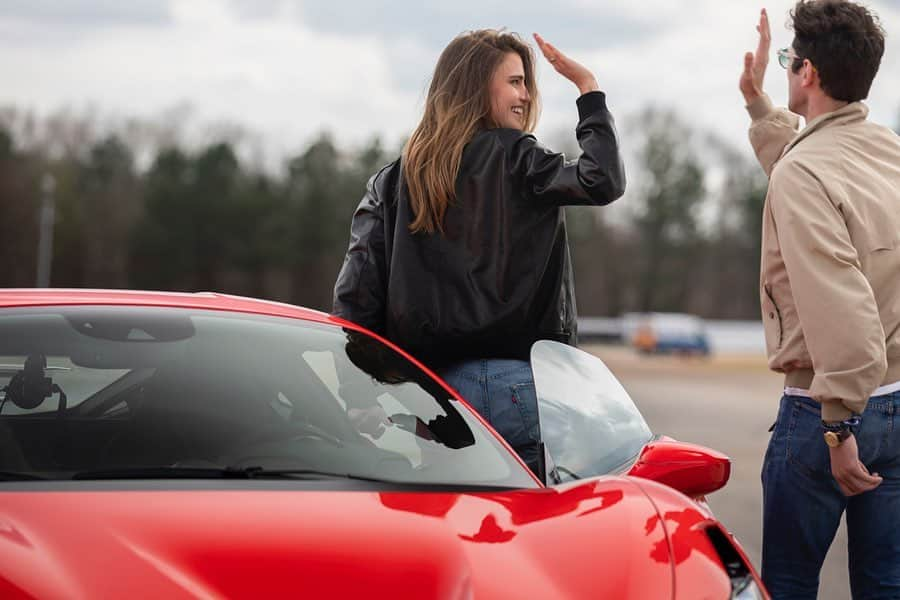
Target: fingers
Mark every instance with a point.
(541, 44)
(856, 480)
(765, 31)
(765, 37)
(747, 83)
(569, 68)
(755, 65)
(855, 489)
(865, 478)
(548, 50)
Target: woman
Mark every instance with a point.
(458, 250)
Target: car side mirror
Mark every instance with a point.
(691, 469)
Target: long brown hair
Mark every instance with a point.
(457, 107)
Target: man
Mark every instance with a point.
(830, 293)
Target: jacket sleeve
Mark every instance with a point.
(835, 303)
(596, 178)
(770, 131)
(360, 291)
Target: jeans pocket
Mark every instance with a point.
(805, 446)
(470, 388)
(525, 399)
(776, 451)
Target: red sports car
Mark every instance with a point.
(162, 445)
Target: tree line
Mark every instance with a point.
(202, 219)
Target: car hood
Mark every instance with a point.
(592, 539)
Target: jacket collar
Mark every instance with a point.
(852, 113)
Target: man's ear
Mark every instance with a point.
(809, 74)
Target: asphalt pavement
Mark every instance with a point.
(727, 403)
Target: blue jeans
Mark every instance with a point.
(802, 504)
(502, 391)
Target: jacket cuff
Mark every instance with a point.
(590, 104)
(834, 410)
(760, 107)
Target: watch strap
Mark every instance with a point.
(846, 424)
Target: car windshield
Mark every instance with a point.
(108, 392)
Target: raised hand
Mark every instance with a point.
(751, 83)
(567, 67)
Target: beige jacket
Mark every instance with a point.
(830, 266)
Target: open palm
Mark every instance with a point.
(751, 83)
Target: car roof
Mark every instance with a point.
(200, 300)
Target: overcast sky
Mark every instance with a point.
(289, 69)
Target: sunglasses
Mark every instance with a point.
(786, 56)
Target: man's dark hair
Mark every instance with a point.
(843, 40)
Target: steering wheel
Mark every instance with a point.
(292, 430)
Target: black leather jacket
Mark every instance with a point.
(500, 277)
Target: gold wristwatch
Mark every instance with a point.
(836, 438)
(837, 432)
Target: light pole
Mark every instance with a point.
(45, 239)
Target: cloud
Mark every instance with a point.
(86, 13)
(274, 76)
(580, 22)
(413, 33)
(289, 69)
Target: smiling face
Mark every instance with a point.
(509, 96)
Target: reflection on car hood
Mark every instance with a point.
(585, 540)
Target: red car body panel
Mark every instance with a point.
(200, 300)
(611, 537)
(696, 561)
(588, 540)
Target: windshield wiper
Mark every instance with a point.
(253, 472)
(19, 476)
(566, 471)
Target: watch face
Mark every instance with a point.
(832, 439)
